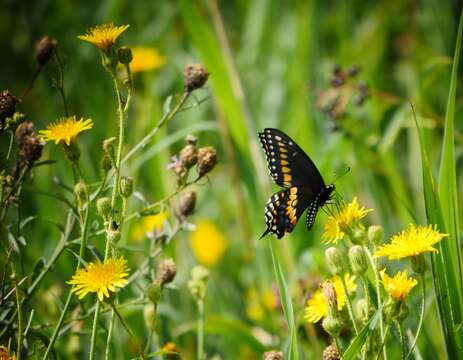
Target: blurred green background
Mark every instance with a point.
(271, 65)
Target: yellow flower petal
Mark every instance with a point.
(208, 243)
(65, 130)
(146, 59)
(413, 241)
(398, 286)
(103, 36)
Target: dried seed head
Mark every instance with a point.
(329, 292)
(207, 159)
(195, 76)
(331, 353)
(124, 55)
(23, 131)
(7, 105)
(272, 355)
(30, 145)
(187, 203)
(44, 49)
(189, 156)
(167, 271)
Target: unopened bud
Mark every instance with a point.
(195, 76)
(207, 159)
(113, 235)
(154, 292)
(44, 49)
(332, 325)
(358, 236)
(126, 186)
(124, 55)
(334, 260)
(272, 355)
(106, 163)
(189, 156)
(187, 203)
(80, 190)
(375, 234)
(331, 353)
(103, 206)
(418, 264)
(167, 271)
(358, 260)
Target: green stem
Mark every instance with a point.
(383, 342)
(378, 297)
(200, 334)
(129, 331)
(338, 345)
(94, 330)
(420, 323)
(110, 332)
(20, 317)
(367, 300)
(152, 329)
(349, 304)
(402, 340)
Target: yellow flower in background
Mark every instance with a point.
(5, 354)
(208, 243)
(258, 303)
(413, 241)
(398, 286)
(317, 306)
(337, 224)
(65, 130)
(100, 278)
(146, 59)
(149, 224)
(103, 36)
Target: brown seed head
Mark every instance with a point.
(330, 294)
(30, 145)
(195, 76)
(44, 49)
(187, 203)
(7, 105)
(189, 156)
(207, 159)
(272, 355)
(23, 131)
(331, 353)
(167, 271)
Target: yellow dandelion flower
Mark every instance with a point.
(413, 241)
(257, 303)
(100, 278)
(146, 59)
(5, 354)
(103, 36)
(317, 306)
(208, 243)
(398, 286)
(65, 130)
(149, 224)
(337, 224)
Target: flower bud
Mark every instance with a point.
(375, 234)
(103, 206)
(358, 260)
(272, 355)
(332, 325)
(72, 151)
(418, 264)
(207, 159)
(106, 163)
(44, 49)
(195, 76)
(187, 203)
(108, 147)
(189, 155)
(167, 271)
(126, 186)
(80, 190)
(358, 236)
(7, 105)
(198, 282)
(113, 235)
(361, 309)
(331, 353)
(124, 55)
(154, 292)
(334, 260)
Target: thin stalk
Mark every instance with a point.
(402, 340)
(152, 329)
(338, 345)
(420, 322)
(110, 332)
(381, 347)
(20, 317)
(200, 335)
(367, 300)
(378, 297)
(94, 329)
(349, 305)
(60, 85)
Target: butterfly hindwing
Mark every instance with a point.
(287, 162)
(283, 209)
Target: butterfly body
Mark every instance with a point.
(303, 185)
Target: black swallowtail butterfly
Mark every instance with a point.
(291, 168)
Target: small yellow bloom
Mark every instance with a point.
(149, 224)
(100, 278)
(5, 354)
(208, 243)
(146, 59)
(65, 130)
(337, 224)
(257, 303)
(317, 306)
(103, 36)
(413, 241)
(398, 286)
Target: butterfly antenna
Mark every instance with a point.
(265, 233)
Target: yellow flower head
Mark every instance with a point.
(100, 278)
(5, 354)
(208, 243)
(317, 306)
(103, 36)
(65, 130)
(146, 59)
(149, 224)
(337, 224)
(398, 286)
(413, 241)
(257, 303)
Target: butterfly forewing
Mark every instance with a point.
(287, 162)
